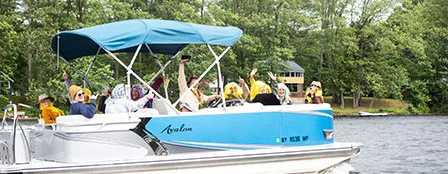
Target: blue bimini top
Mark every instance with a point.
(162, 36)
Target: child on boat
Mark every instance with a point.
(49, 112)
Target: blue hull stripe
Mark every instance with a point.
(242, 129)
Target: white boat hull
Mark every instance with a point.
(275, 160)
(108, 143)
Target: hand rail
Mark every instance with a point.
(14, 132)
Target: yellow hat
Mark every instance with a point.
(87, 95)
(73, 90)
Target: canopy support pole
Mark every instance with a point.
(162, 69)
(91, 64)
(220, 81)
(80, 73)
(140, 79)
(57, 51)
(202, 75)
(128, 87)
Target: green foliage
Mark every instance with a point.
(3, 101)
(380, 49)
(9, 50)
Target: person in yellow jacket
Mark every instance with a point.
(257, 86)
(49, 112)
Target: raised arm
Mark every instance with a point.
(67, 83)
(246, 90)
(140, 103)
(251, 76)
(274, 83)
(181, 78)
(157, 83)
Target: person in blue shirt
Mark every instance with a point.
(77, 95)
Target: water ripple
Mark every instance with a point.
(407, 145)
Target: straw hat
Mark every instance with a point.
(42, 97)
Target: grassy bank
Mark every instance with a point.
(390, 106)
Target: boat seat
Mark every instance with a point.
(162, 107)
(118, 121)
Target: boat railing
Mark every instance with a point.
(12, 151)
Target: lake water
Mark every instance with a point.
(397, 144)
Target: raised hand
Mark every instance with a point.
(273, 76)
(252, 73)
(241, 80)
(183, 60)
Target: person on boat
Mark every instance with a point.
(119, 103)
(105, 96)
(137, 91)
(283, 95)
(314, 93)
(257, 86)
(233, 91)
(49, 112)
(78, 106)
(68, 84)
(194, 97)
(261, 92)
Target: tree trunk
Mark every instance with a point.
(29, 58)
(356, 100)
(342, 99)
(322, 50)
(442, 105)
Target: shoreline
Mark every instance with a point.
(357, 115)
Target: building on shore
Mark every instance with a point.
(293, 79)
